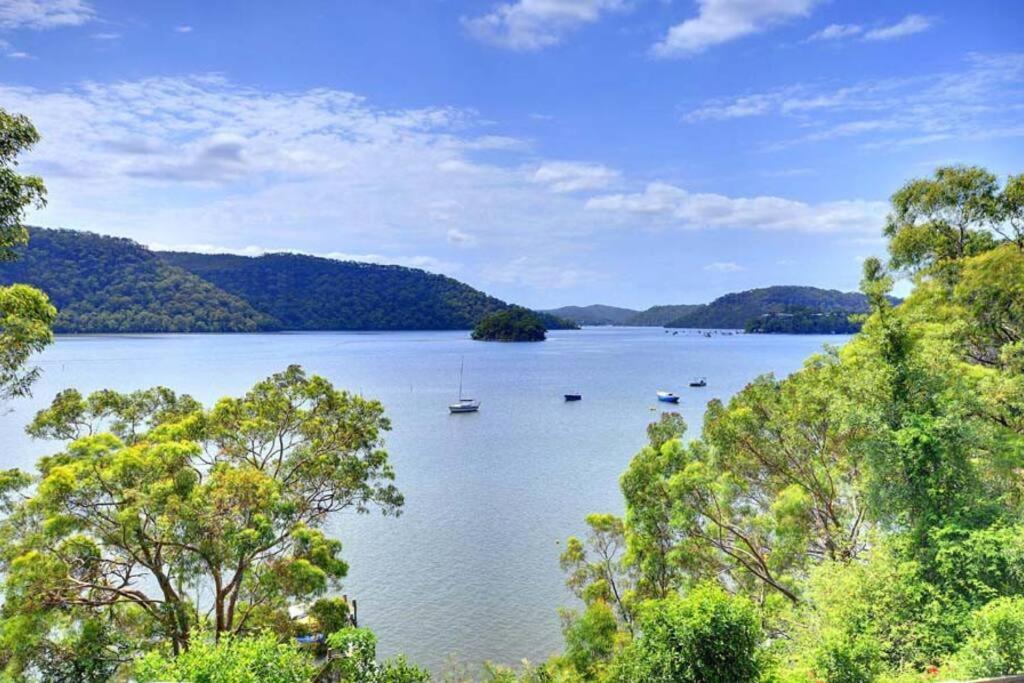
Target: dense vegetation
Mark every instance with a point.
(596, 314)
(511, 325)
(734, 311)
(107, 284)
(311, 293)
(804, 321)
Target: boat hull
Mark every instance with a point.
(573, 397)
(666, 397)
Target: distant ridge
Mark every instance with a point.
(736, 311)
(595, 314)
(110, 284)
(784, 308)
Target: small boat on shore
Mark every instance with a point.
(573, 397)
(668, 397)
(698, 382)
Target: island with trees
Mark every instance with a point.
(511, 325)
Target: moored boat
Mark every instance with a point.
(573, 397)
(668, 397)
(463, 405)
(698, 382)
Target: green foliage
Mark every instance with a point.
(996, 644)
(26, 316)
(256, 659)
(353, 660)
(707, 636)
(738, 310)
(156, 499)
(17, 192)
(804, 321)
(511, 325)
(590, 639)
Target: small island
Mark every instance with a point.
(514, 324)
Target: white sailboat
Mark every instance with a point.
(463, 405)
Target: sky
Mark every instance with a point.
(548, 152)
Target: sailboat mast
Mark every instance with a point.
(462, 366)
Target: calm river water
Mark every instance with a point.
(471, 567)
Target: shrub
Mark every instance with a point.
(708, 636)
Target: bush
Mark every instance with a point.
(996, 644)
(256, 659)
(708, 636)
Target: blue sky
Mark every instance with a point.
(630, 152)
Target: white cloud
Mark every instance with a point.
(569, 176)
(105, 36)
(909, 25)
(724, 267)
(662, 204)
(720, 21)
(44, 14)
(982, 100)
(183, 29)
(536, 24)
(837, 32)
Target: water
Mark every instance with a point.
(471, 567)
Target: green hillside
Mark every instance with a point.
(311, 293)
(109, 284)
(595, 314)
(658, 316)
(514, 324)
(736, 311)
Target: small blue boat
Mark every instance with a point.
(668, 397)
(574, 397)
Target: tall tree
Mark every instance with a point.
(162, 516)
(26, 316)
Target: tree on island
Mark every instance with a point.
(514, 324)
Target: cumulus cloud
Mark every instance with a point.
(183, 29)
(44, 14)
(667, 205)
(720, 21)
(569, 176)
(528, 25)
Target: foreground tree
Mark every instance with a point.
(26, 316)
(162, 517)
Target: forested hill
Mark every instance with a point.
(658, 316)
(736, 311)
(596, 314)
(311, 293)
(108, 284)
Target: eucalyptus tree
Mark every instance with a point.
(26, 316)
(160, 517)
